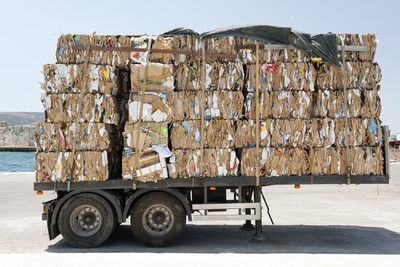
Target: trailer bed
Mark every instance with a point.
(213, 181)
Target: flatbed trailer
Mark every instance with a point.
(86, 213)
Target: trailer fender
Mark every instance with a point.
(53, 226)
(176, 193)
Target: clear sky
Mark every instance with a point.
(29, 32)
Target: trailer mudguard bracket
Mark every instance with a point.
(176, 193)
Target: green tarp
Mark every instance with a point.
(314, 45)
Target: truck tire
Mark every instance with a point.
(86, 220)
(158, 219)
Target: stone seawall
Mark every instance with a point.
(17, 136)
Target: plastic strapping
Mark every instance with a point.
(202, 113)
(257, 115)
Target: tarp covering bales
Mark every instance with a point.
(315, 45)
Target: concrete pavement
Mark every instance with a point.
(314, 224)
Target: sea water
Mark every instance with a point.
(16, 161)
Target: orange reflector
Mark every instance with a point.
(213, 188)
(297, 186)
(39, 193)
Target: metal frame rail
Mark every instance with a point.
(227, 181)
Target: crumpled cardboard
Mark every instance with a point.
(157, 107)
(152, 165)
(66, 54)
(95, 108)
(149, 134)
(309, 133)
(62, 78)
(273, 133)
(217, 134)
(275, 161)
(364, 161)
(362, 132)
(87, 166)
(217, 162)
(247, 56)
(54, 137)
(185, 42)
(359, 75)
(283, 76)
(219, 76)
(280, 104)
(361, 103)
(217, 104)
(368, 40)
(159, 77)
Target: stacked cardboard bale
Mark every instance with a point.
(222, 103)
(176, 106)
(301, 106)
(303, 118)
(146, 132)
(82, 113)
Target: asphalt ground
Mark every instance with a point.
(315, 225)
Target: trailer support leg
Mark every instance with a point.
(246, 195)
(259, 236)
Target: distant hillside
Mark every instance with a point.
(21, 118)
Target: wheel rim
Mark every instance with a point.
(158, 219)
(85, 220)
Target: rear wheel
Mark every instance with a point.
(158, 219)
(86, 220)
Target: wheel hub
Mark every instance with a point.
(158, 219)
(85, 220)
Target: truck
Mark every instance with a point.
(87, 213)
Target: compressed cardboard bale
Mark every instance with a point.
(217, 104)
(322, 132)
(359, 75)
(283, 55)
(368, 40)
(159, 77)
(186, 42)
(217, 134)
(364, 161)
(247, 55)
(164, 43)
(362, 132)
(53, 137)
(221, 45)
(361, 103)
(143, 166)
(94, 108)
(66, 53)
(245, 135)
(280, 104)
(275, 161)
(87, 166)
(217, 162)
(283, 76)
(273, 133)
(69, 78)
(149, 133)
(328, 103)
(219, 76)
(157, 107)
